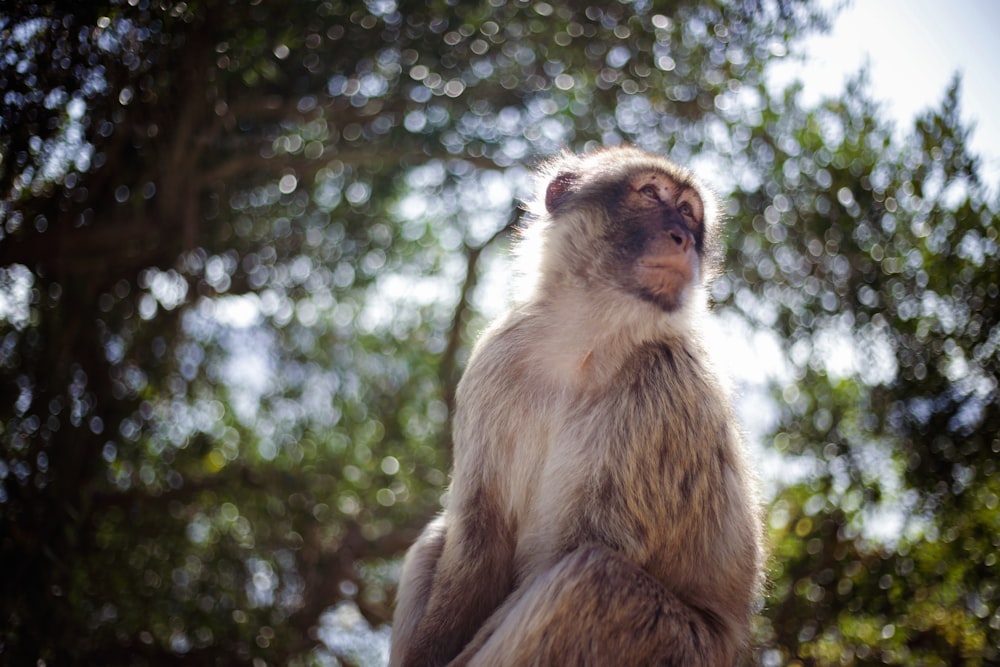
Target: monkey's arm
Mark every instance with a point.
(415, 585)
(447, 598)
(596, 607)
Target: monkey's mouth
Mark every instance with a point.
(662, 282)
(668, 274)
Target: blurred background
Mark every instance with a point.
(245, 247)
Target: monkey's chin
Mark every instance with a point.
(668, 303)
(664, 286)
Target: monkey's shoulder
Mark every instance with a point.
(509, 351)
(670, 362)
(524, 349)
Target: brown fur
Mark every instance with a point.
(601, 511)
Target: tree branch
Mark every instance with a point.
(449, 379)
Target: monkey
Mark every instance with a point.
(601, 509)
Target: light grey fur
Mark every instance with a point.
(601, 510)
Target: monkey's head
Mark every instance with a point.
(624, 219)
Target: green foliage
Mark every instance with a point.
(887, 553)
(244, 248)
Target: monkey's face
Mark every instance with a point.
(656, 234)
(631, 220)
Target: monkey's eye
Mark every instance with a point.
(686, 210)
(650, 191)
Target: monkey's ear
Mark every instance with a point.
(558, 188)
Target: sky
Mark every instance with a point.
(913, 49)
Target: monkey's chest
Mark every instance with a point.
(660, 499)
(644, 469)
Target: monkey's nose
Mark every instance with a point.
(681, 238)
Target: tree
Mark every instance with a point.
(886, 553)
(244, 246)
(240, 250)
